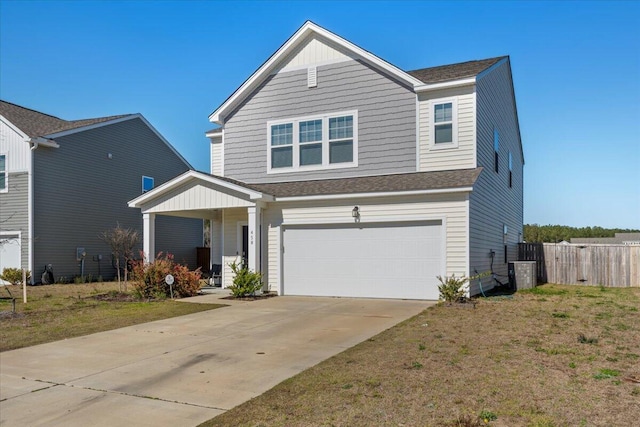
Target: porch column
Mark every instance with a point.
(254, 221)
(149, 236)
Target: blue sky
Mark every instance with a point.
(576, 68)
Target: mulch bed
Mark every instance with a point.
(253, 297)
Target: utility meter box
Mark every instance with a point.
(523, 274)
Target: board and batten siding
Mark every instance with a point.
(450, 209)
(492, 203)
(80, 191)
(463, 155)
(386, 121)
(314, 50)
(14, 203)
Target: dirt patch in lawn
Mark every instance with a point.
(55, 312)
(553, 356)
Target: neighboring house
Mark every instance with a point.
(619, 239)
(62, 183)
(336, 173)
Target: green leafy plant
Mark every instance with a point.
(13, 275)
(149, 278)
(452, 289)
(245, 281)
(487, 416)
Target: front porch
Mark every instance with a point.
(234, 211)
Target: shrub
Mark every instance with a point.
(13, 275)
(245, 281)
(149, 278)
(452, 289)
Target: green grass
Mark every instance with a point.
(57, 312)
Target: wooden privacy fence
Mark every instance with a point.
(584, 264)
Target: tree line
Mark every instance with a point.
(558, 233)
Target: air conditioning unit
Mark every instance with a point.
(523, 274)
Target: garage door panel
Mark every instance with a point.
(380, 261)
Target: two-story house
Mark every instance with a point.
(63, 183)
(338, 174)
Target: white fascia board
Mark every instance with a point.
(379, 194)
(93, 126)
(306, 29)
(213, 134)
(39, 141)
(15, 128)
(118, 120)
(444, 85)
(191, 175)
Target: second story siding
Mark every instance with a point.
(386, 121)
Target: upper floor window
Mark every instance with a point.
(313, 143)
(496, 148)
(147, 183)
(3, 173)
(444, 125)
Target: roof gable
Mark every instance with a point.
(287, 53)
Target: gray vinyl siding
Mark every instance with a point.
(386, 121)
(492, 202)
(79, 192)
(14, 211)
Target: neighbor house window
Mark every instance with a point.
(444, 124)
(313, 143)
(496, 148)
(3, 173)
(147, 183)
(510, 170)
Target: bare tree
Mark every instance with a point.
(122, 241)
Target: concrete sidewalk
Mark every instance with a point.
(185, 370)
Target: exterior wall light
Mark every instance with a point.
(355, 213)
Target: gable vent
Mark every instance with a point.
(312, 77)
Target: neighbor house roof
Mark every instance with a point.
(457, 71)
(34, 123)
(415, 181)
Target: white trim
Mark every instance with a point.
(426, 87)
(417, 134)
(190, 175)
(44, 142)
(454, 124)
(363, 220)
(30, 219)
(222, 156)
(377, 194)
(119, 120)
(298, 37)
(14, 128)
(239, 225)
(325, 165)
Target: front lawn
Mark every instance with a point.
(56, 312)
(552, 356)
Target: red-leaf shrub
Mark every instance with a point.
(149, 278)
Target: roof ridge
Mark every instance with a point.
(495, 58)
(32, 110)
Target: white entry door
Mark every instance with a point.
(385, 260)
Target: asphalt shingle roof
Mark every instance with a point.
(454, 71)
(35, 124)
(415, 181)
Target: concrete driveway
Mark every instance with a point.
(185, 370)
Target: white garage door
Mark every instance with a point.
(9, 252)
(387, 260)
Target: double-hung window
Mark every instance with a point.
(3, 173)
(444, 124)
(325, 141)
(147, 183)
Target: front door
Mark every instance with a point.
(245, 245)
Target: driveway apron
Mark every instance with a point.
(185, 370)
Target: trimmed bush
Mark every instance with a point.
(149, 278)
(245, 281)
